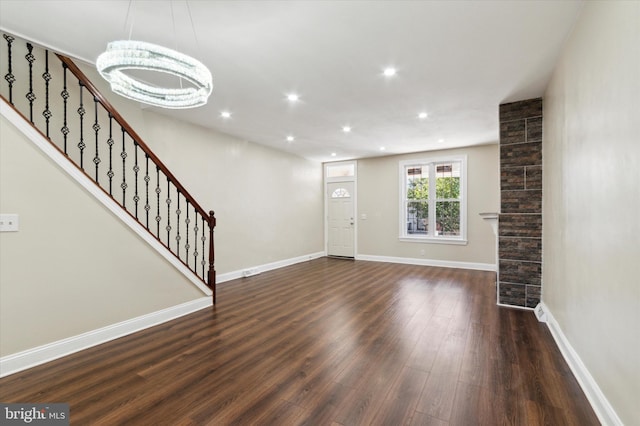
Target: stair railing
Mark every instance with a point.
(98, 140)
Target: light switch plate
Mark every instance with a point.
(8, 222)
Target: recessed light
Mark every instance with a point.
(225, 114)
(290, 138)
(422, 115)
(382, 148)
(333, 154)
(293, 97)
(346, 129)
(389, 72)
(440, 140)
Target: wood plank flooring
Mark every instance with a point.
(326, 342)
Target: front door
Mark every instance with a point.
(340, 219)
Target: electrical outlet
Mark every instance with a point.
(8, 223)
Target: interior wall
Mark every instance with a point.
(379, 200)
(268, 206)
(72, 267)
(592, 199)
(268, 203)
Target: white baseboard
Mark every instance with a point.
(228, 276)
(14, 363)
(541, 313)
(603, 409)
(522, 308)
(428, 262)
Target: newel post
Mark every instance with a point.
(212, 257)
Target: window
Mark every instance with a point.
(340, 193)
(433, 200)
(339, 170)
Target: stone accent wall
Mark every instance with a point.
(520, 223)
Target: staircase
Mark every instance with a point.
(55, 97)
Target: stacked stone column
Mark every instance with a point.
(520, 221)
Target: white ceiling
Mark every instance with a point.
(456, 60)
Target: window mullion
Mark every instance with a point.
(432, 199)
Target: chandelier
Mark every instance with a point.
(126, 55)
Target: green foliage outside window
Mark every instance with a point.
(418, 211)
(447, 210)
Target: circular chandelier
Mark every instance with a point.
(138, 55)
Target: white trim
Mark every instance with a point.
(603, 409)
(541, 315)
(14, 363)
(522, 308)
(432, 162)
(341, 178)
(434, 240)
(45, 146)
(326, 181)
(429, 262)
(268, 266)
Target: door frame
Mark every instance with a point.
(338, 179)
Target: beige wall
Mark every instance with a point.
(56, 283)
(378, 198)
(591, 234)
(268, 203)
(72, 267)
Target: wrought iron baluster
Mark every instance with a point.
(158, 190)
(65, 96)
(9, 77)
(81, 112)
(47, 106)
(96, 129)
(195, 241)
(47, 77)
(30, 95)
(187, 221)
(110, 142)
(211, 278)
(147, 179)
(136, 169)
(124, 185)
(204, 239)
(168, 228)
(178, 225)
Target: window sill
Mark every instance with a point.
(431, 240)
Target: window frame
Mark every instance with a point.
(430, 237)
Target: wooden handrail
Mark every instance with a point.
(210, 217)
(122, 122)
(193, 235)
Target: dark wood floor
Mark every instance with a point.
(328, 342)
